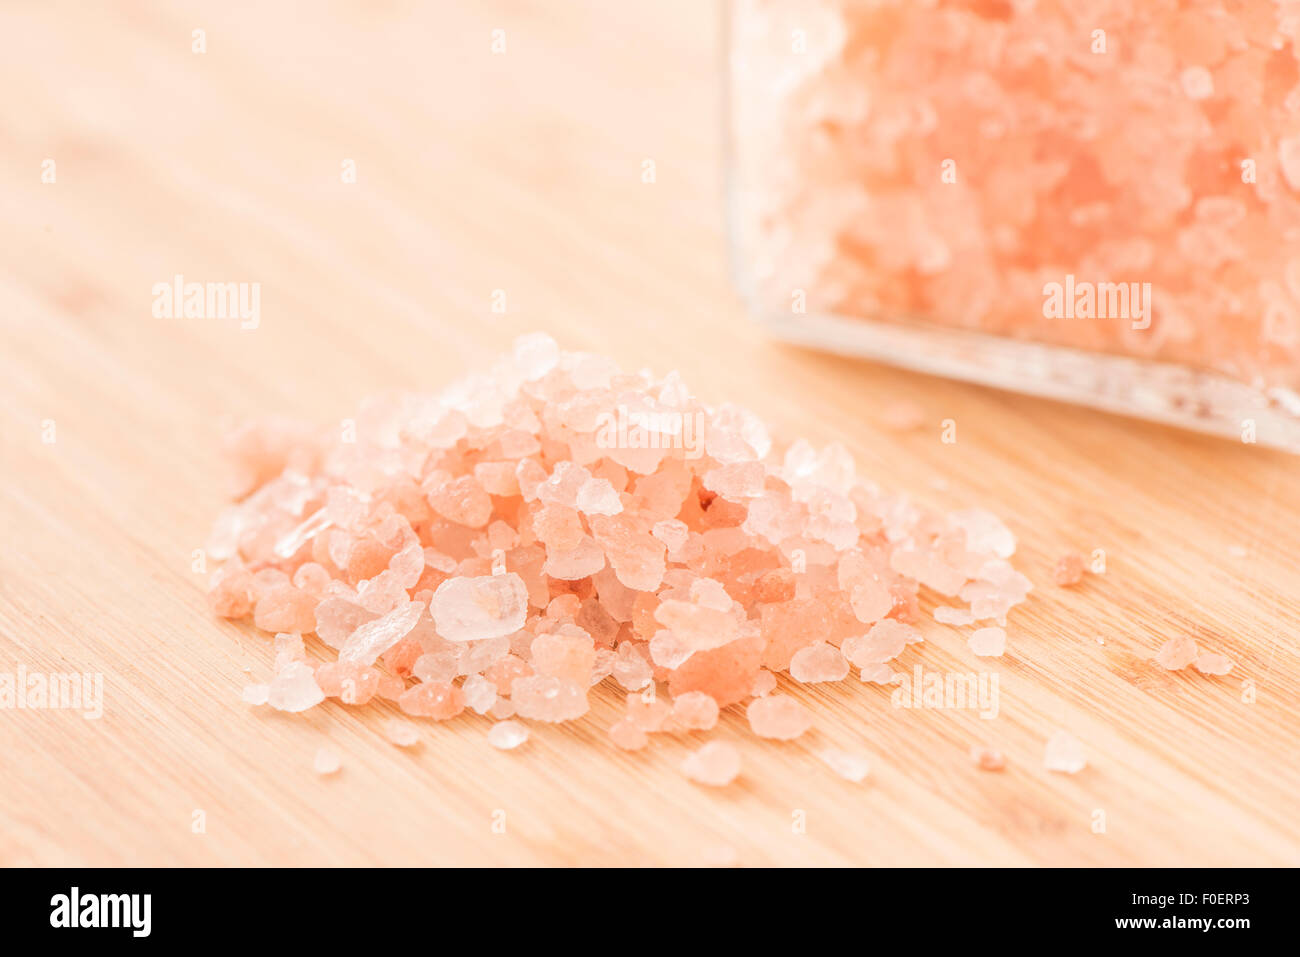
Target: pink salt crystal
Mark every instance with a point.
(349, 681)
(401, 733)
(884, 642)
(987, 759)
(631, 669)
(567, 656)
(778, 716)
(285, 608)
(337, 618)
(694, 711)
(507, 735)
(715, 764)
(480, 694)
(818, 662)
(597, 497)
(1064, 753)
(1069, 570)
(326, 761)
(466, 609)
(648, 714)
(294, 688)
(879, 674)
(462, 500)
(764, 684)
(547, 698)
(372, 639)
(1177, 653)
(431, 699)
(988, 642)
(501, 709)
(851, 767)
(626, 735)
(231, 593)
(1211, 663)
(953, 616)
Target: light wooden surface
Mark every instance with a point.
(522, 172)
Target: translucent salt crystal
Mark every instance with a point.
(255, 694)
(401, 733)
(1069, 570)
(716, 764)
(884, 642)
(985, 533)
(1064, 753)
(470, 609)
(535, 355)
(626, 735)
(597, 497)
(501, 709)
(878, 674)
(507, 735)
(294, 688)
(953, 616)
(631, 669)
(1177, 653)
(432, 699)
(375, 637)
(851, 767)
(694, 711)
(988, 759)
(818, 662)
(326, 761)
(337, 618)
(988, 642)
(545, 698)
(778, 716)
(480, 694)
(1211, 663)
(672, 533)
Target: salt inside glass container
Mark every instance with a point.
(1094, 200)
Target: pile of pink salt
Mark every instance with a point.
(555, 524)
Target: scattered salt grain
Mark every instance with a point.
(1177, 653)
(1064, 753)
(851, 767)
(716, 764)
(778, 716)
(326, 761)
(1069, 570)
(507, 735)
(401, 733)
(294, 688)
(988, 642)
(988, 759)
(1211, 663)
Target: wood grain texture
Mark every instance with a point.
(521, 172)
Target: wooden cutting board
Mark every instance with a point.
(521, 172)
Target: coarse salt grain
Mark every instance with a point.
(988, 759)
(716, 764)
(1064, 753)
(503, 548)
(1069, 570)
(1177, 653)
(507, 735)
(326, 761)
(988, 642)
